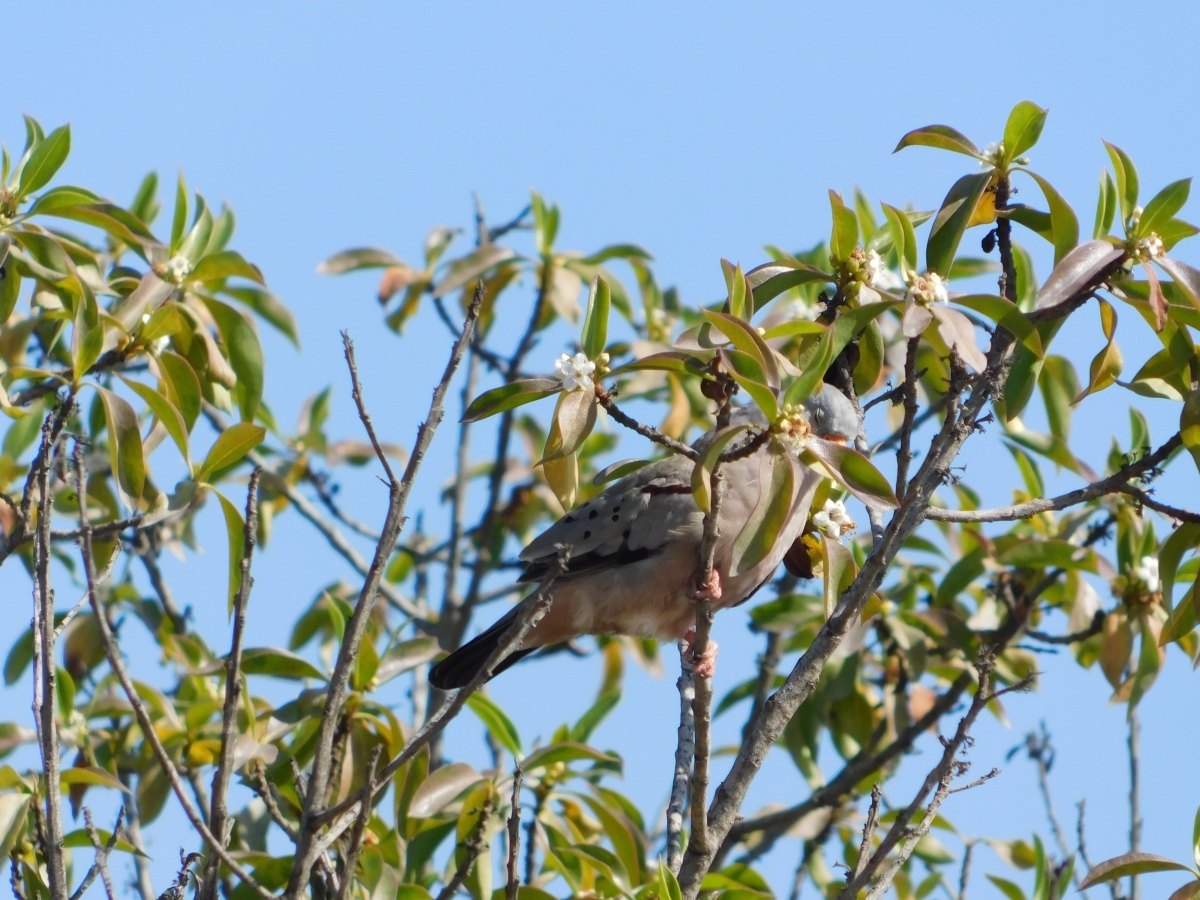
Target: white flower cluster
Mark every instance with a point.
(1150, 247)
(178, 267)
(1146, 571)
(992, 154)
(879, 275)
(928, 289)
(575, 372)
(834, 520)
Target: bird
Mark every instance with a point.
(634, 551)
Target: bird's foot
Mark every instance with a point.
(704, 665)
(710, 592)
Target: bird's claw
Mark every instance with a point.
(710, 592)
(704, 665)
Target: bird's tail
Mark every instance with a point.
(459, 668)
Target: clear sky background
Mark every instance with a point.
(698, 130)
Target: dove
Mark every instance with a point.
(634, 562)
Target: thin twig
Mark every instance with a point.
(909, 387)
(218, 809)
(100, 866)
(685, 752)
(262, 787)
(1173, 512)
(451, 600)
(1115, 483)
(1135, 799)
(78, 607)
(529, 613)
(964, 874)
(513, 886)
(350, 861)
(472, 847)
(864, 848)
(117, 664)
(651, 434)
(44, 695)
(398, 492)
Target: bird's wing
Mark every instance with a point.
(631, 520)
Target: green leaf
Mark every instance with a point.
(746, 371)
(164, 410)
(179, 220)
(226, 264)
(845, 328)
(183, 387)
(1063, 223)
(854, 472)
(163, 322)
(1127, 180)
(510, 396)
(278, 663)
(943, 137)
(359, 258)
(235, 528)
(1059, 386)
(619, 470)
(1162, 207)
(231, 445)
(904, 239)
(702, 469)
(736, 290)
(1129, 864)
(10, 286)
(442, 786)
(594, 715)
(405, 656)
(574, 419)
(269, 307)
(124, 447)
(682, 363)
(245, 355)
(771, 279)
(468, 268)
(563, 752)
(92, 776)
(952, 220)
(1108, 363)
(839, 571)
(80, 838)
(498, 724)
(1010, 890)
(1006, 314)
(844, 236)
(616, 251)
(45, 160)
(1183, 539)
(1106, 206)
(747, 339)
(1189, 425)
(793, 328)
(595, 323)
(1023, 128)
(777, 488)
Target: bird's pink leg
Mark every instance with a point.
(711, 591)
(704, 665)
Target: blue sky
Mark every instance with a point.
(698, 130)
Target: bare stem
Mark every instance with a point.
(513, 886)
(651, 434)
(219, 811)
(904, 453)
(1135, 798)
(398, 492)
(100, 866)
(44, 695)
(360, 827)
(472, 847)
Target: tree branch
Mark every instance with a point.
(398, 492)
(113, 653)
(513, 885)
(652, 434)
(219, 811)
(1114, 484)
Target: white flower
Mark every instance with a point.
(834, 520)
(1150, 247)
(929, 288)
(879, 275)
(1146, 572)
(799, 311)
(575, 372)
(178, 268)
(992, 154)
